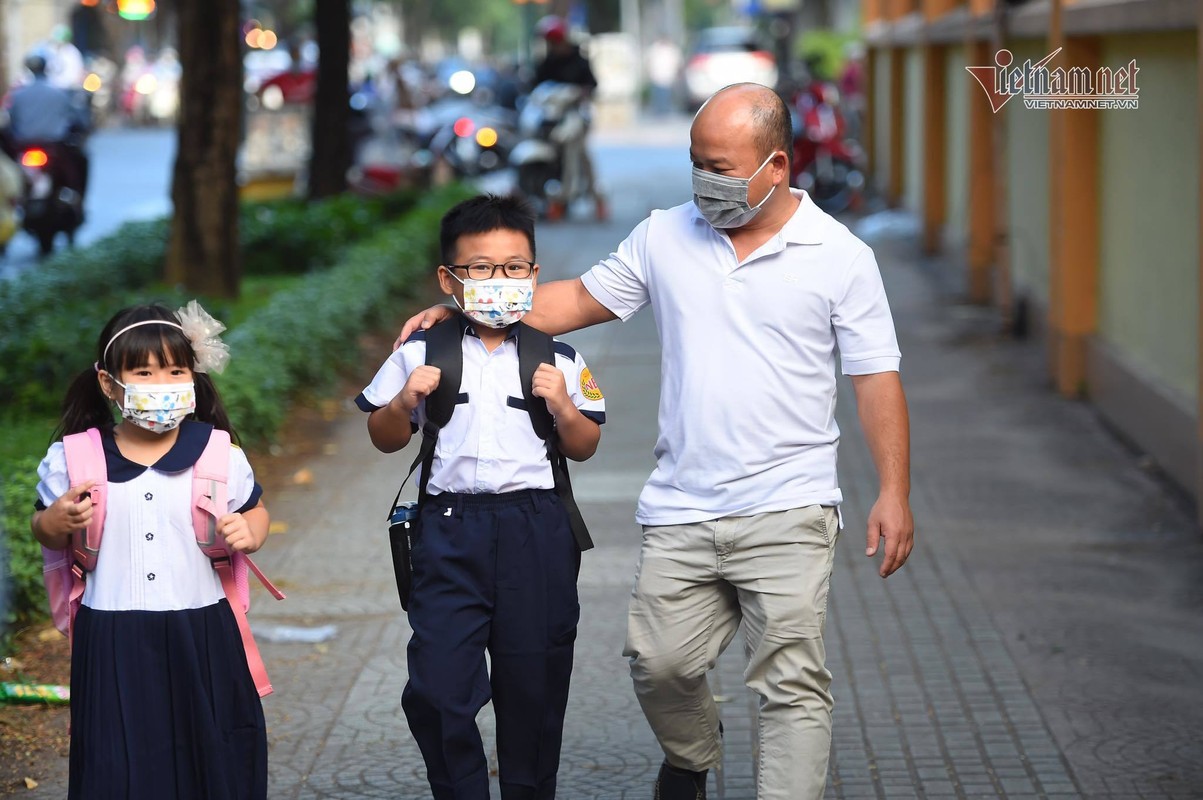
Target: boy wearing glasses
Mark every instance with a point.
(495, 562)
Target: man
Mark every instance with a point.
(753, 288)
(43, 115)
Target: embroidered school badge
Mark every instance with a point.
(589, 386)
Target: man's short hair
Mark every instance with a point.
(774, 129)
(484, 213)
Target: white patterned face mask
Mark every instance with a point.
(157, 407)
(496, 302)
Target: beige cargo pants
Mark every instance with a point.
(694, 585)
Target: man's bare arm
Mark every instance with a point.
(559, 307)
(564, 306)
(881, 406)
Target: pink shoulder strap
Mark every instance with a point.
(85, 462)
(210, 502)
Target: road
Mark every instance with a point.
(130, 180)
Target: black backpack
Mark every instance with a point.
(444, 349)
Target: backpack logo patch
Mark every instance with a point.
(589, 386)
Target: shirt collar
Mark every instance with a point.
(467, 329)
(189, 444)
(801, 228)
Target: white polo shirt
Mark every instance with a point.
(747, 401)
(488, 446)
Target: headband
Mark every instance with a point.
(202, 331)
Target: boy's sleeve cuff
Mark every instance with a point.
(366, 405)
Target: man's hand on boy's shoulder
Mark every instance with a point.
(550, 385)
(423, 320)
(421, 382)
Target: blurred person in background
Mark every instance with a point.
(65, 64)
(564, 63)
(43, 115)
(663, 66)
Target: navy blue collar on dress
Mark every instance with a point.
(189, 445)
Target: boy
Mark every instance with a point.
(494, 562)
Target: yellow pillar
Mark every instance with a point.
(1073, 228)
(1199, 406)
(982, 185)
(869, 121)
(897, 124)
(935, 136)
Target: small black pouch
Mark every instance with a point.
(402, 531)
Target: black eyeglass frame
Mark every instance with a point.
(530, 268)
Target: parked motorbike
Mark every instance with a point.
(827, 163)
(49, 205)
(470, 138)
(549, 158)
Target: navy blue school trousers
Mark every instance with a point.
(495, 572)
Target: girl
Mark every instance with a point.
(163, 704)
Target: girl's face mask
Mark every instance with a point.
(157, 407)
(496, 302)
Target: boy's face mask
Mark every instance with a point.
(723, 200)
(495, 302)
(157, 407)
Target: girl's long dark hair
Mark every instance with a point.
(85, 405)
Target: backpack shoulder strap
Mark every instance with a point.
(85, 462)
(534, 348)
(210, 494)
(210, 502)
(445, 350)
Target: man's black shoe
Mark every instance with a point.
(674, 783)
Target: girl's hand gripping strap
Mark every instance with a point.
(210, 502)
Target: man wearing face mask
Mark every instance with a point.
(741, 514)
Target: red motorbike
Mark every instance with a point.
(828, 164)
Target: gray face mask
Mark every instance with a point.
(723, 200)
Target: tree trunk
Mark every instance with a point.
(331, 154)
(203, 253)
(4, 45)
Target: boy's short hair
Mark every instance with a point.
(484, 213)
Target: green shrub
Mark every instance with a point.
(52, 314)
(26, 599)
(295, 236)
(297, 341)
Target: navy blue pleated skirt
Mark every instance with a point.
(163, 707)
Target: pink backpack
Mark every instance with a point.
(66, 570)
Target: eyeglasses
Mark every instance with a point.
(483, 270)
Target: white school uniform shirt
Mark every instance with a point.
(149, 559)
(747, 403)
(489, 445)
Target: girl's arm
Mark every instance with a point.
(71, 512)
(245, 532)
